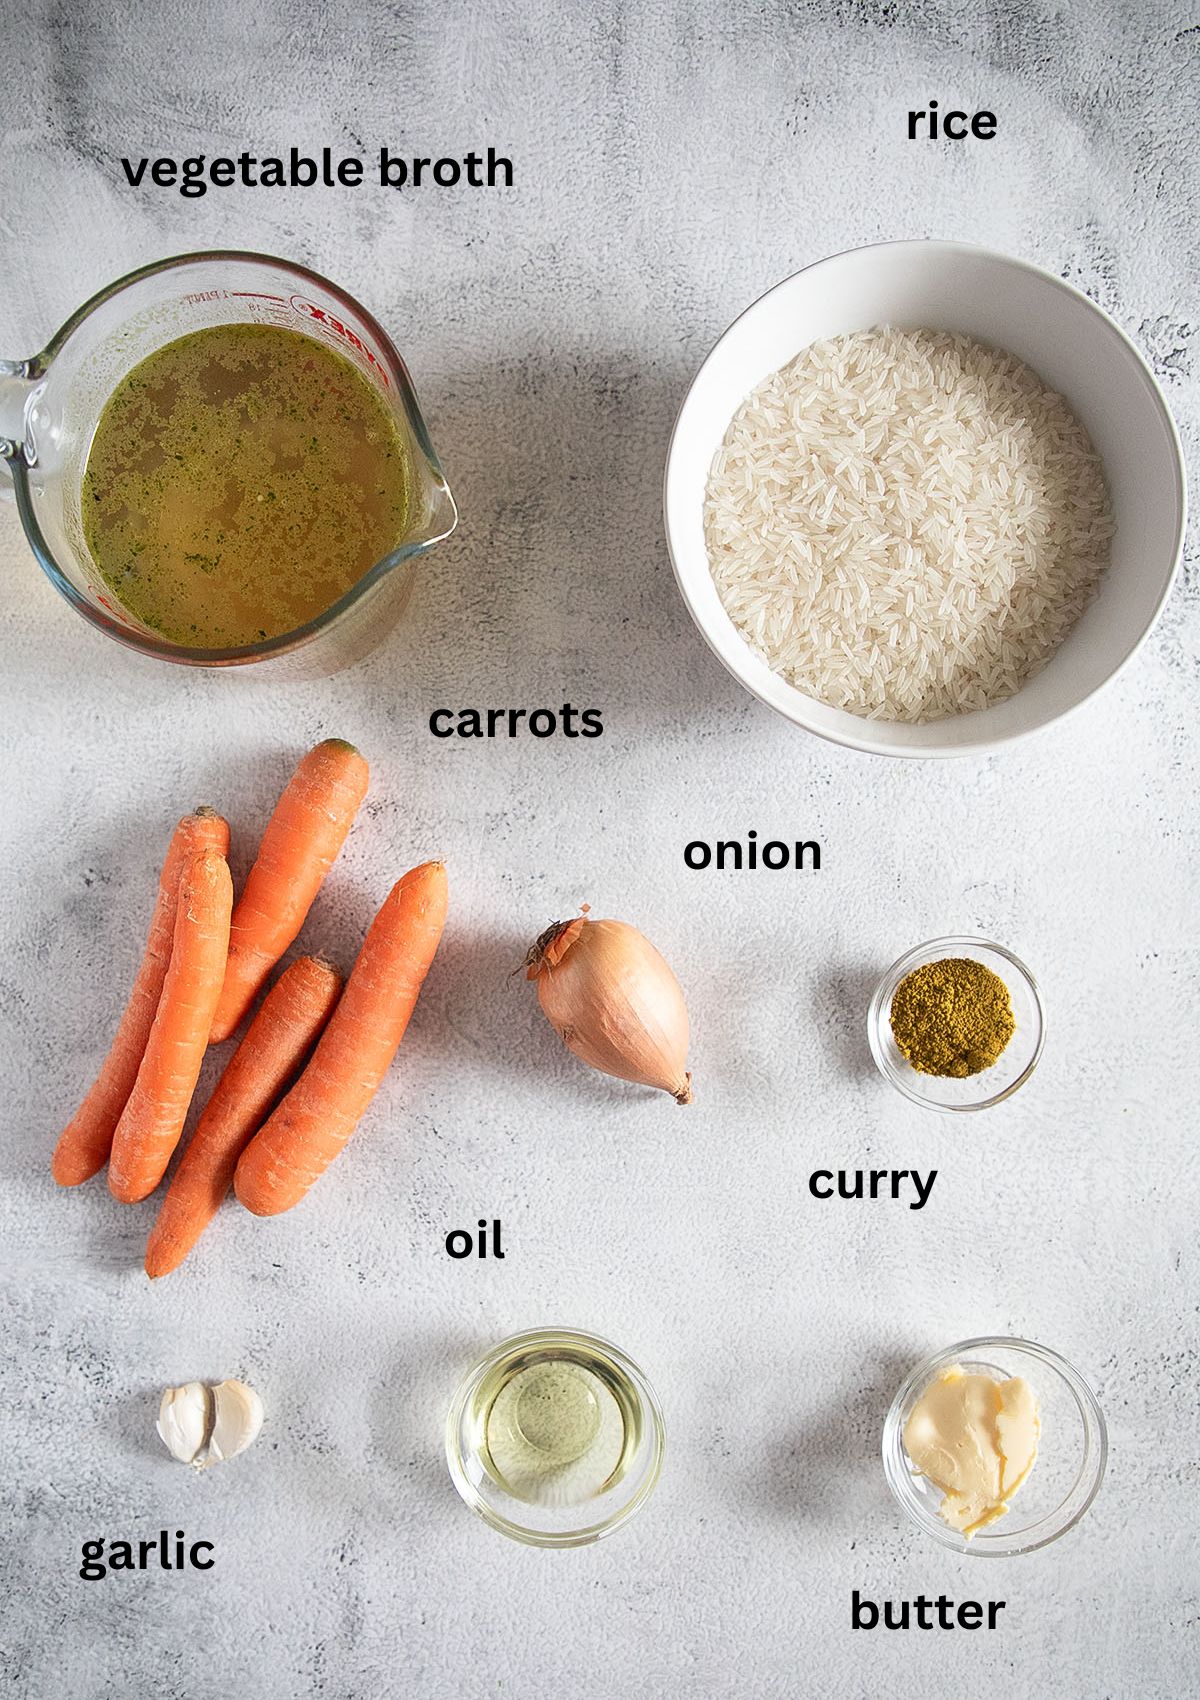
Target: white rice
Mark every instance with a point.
(906, 524)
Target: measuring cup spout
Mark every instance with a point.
(51, 406)
(17, 380)
(443, 515)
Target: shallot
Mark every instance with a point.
(614, 1002)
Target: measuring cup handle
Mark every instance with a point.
(16, 379)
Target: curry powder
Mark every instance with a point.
(952, 1018)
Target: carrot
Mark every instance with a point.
(267, 1060)
(85, 1142)
(298, 848)
(153, 1119)
(321, 1111)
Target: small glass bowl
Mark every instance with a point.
(1072, 1450)
(550, 1525)
(991, 1085)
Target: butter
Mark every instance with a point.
(975, 1438)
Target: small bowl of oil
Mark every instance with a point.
(555, 1438)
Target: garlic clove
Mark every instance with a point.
(184, 1418)
(237, 1418)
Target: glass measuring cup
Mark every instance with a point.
(50, 405)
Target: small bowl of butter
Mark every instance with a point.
(995, 1446)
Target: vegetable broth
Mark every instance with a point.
(240, 481)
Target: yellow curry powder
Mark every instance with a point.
(952, 1017)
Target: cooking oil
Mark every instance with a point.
(556, 1424)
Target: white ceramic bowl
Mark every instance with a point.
(1010, 304)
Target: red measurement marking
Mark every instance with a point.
(257, 295)
(322, 316)
(117, 613)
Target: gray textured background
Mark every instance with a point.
(672, 162)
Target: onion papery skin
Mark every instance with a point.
(614, 1002)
